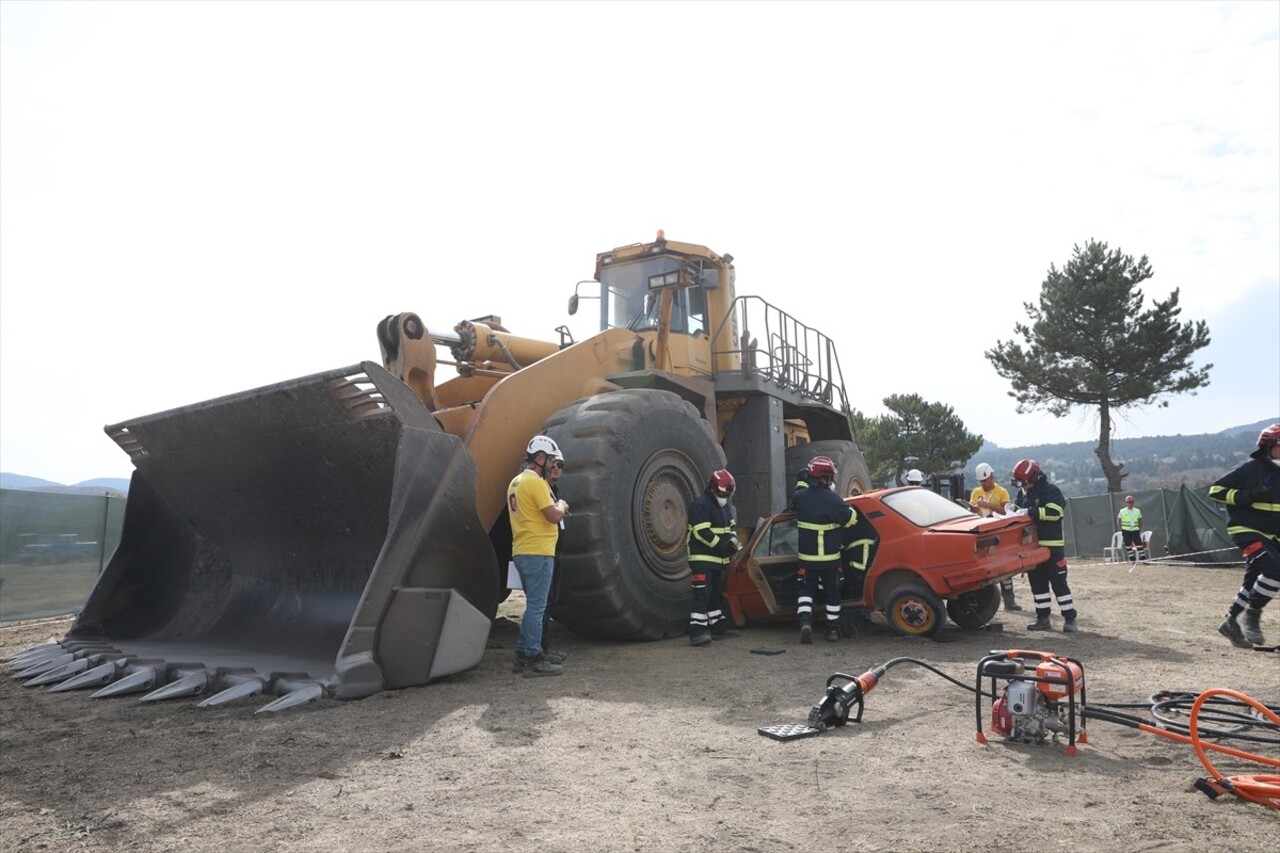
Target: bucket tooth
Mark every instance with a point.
(44, 666)
(99, 675)
(36, 653)
(65, 671)
(40, 663)
(300, 695)
(136, 682)
(239, 690)
(188, 685)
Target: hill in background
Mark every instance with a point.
(100, 486)
(1162, 461)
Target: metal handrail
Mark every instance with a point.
(796, 356)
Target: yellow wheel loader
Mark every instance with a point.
(346, 532)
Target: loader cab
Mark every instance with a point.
(628, 301)
(688, 285)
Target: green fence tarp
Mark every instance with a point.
(1185, 525)
(1198, 529)
(52, 548)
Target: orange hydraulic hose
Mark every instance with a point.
(1261, 789)
(1248, 756)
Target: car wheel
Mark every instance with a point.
(912, 610)
(973, 610)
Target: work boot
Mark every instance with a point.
(833, 635)
(806, 635)
(1232, 632)
(1011, 603)
(1041, 624)
(555, 657)
(540, 666)
(1251, 629)
(702, 638)
(721, 630)
(1069, 626)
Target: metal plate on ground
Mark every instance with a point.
(789, 731)
(764, 650)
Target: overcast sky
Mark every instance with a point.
(202, 198)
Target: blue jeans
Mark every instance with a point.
(535, 576)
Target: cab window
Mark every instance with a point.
(629, 303)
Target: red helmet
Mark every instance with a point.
(721, 484)
(821, 466)
(1026, 471)
(1270, 436)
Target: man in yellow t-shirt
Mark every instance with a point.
(988, 499)
(535, 527)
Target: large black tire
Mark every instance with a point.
(912, 610)
(634, 459)
(973, 610)
(851, 468)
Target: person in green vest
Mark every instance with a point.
(1130, 523)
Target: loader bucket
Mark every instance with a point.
(316, 537)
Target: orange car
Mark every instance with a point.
(927, 558)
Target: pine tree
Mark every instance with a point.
(915, 434)
(1091, 343)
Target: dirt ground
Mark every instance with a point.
(653, 747)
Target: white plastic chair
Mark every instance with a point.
(1114, 552)
(1146, 546)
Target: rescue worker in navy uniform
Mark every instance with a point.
(802, 482)
(712, 540)
(1044, 502)
(1251, 492)
(821, 519)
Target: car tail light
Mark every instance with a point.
(987, 545)
(1026, 535)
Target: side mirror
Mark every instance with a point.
(573, 305)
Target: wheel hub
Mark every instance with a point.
(665, 491)
(914, 613)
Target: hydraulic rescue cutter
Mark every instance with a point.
(1039, 699)
(318, 537)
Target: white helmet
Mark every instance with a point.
(542, 444)
(914, 477)
(983, 471)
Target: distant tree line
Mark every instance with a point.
(1167, 461)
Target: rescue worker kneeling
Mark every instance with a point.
(821, 519)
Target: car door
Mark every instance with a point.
(774, 562)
